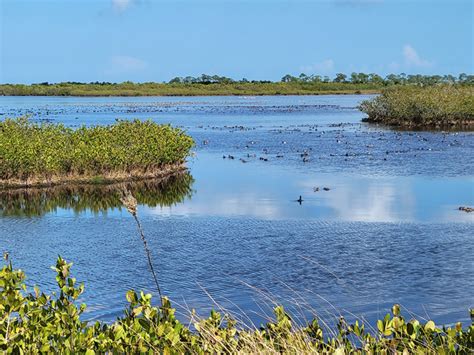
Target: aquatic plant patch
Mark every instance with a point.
(440, 106)
(46, 153)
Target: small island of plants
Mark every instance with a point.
(439, 106)
(49, 154)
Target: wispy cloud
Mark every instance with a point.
(121, 5)
(324, 67)
(410, 60)
(125, 64)
(413, 59)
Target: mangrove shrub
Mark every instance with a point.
(45, 152)
(416, 106)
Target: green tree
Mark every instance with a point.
(340, 78)
(288, 79)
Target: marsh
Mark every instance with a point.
(388, 229)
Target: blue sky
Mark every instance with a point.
(146, 40)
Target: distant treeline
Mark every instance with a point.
(303, 84)
(354, 78)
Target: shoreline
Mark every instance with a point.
(464, 126)
(107, 178)
(316, 93)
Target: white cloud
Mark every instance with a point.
(121, 5)
(412, 58)
(121, 64)
(324, 67)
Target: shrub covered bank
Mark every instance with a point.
(189, 89)
(35, 322)
(35, 154)
(442, 106)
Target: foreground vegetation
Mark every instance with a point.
(445, 106)
(355, 83)
(32, 154)
(35, 322)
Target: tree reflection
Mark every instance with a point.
(33, 202)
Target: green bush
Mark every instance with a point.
(415, 106)
(35, 322)
(45, 151)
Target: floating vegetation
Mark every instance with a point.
(36, 322)
(46, 153)
(441, 106)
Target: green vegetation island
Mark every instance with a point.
(413, 107)
(208, 85)
(34, 154)
(33, 322)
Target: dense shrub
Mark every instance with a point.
(35, 322)
(46, 151)
(416, 106)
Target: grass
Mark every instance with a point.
(34, 322)
(36, 154)
(441, 106)
(189, 89)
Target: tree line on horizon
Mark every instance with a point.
(341, 78)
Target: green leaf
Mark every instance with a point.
(430, 325)
(380, 326)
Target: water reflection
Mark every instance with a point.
(256, 189)
(33, 202)
(393, 201)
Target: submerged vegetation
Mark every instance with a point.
(34, 154)
(219, 85)
(34, 322)
(445, 106)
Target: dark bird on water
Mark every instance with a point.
(300, 200)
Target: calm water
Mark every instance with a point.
(231, 233)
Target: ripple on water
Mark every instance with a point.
(355, 266)
(374, 239)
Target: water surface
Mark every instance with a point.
(387, 229)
